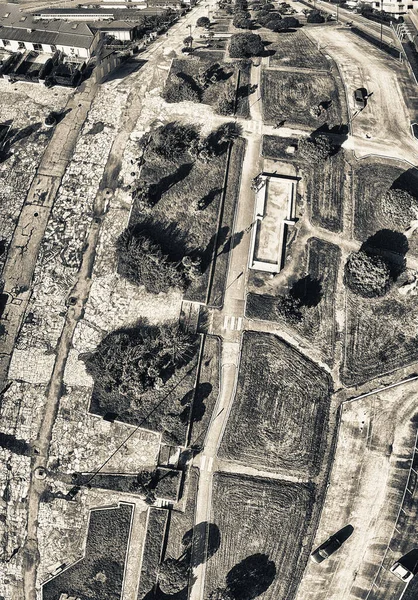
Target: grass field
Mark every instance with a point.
(260, 516)
(99, 575)
(318, 322)
(243, 101)
(275, 147)
(207, 390)
(381, 335)
(371, 180)
(280, 412)
(182, 522)
(157, 522)
(295, 97)
(325, 189)
(295, 49)
(231, 199)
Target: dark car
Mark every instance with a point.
(360, 96)
(326, 549)
(332, 544)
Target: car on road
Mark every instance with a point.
(332, 544)
(401, 572)
(406, 567)
(360, 97)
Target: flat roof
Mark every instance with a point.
(46, 37)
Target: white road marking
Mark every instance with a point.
(226, 322)
(210, 464)
(232, 322)
(202, 463)
(239, 323)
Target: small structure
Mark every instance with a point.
(275, 212)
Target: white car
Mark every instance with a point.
(402, 572)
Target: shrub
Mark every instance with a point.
(315, 16)
(180, 91)
(225, 102)
(367, 275)
(172, 140)
(316, 149)
(242, 21)
(173, 576)
(142, 262)
(203, 22)
(245, 45)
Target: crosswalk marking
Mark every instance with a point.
(210, 464)
(203, 462)
(232, 323)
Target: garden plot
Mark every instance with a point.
(372, 179)
(264, 519)
(99, 574)
(295, 49)
(381, 335)
(278, 148)
(280, 412)
(325, 191)
(319, 284)
(300, 98)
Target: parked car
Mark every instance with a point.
(401, 572)
(332, 544)
(406, 567)
(360, 97)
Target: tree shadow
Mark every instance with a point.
(219, 239)
(201, 542)
(209, 198)
(232, 242)
(189, 79)
(407, 181)
(392, 245)
(251, 577)
(160, 188)
(172, 240)
(339, 134)
(307, 291)
(203, 392)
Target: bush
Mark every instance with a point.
(171, 141)
(203, 22)
(315, 16)
(180, 91)
(367, 275)
(142, 262)
(129, 362)
(400, 207)
(242, 21)
(173, 576)
(315, 149)
(225, 103)
(245, 45)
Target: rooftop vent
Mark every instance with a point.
(22, 19)
(74, 26)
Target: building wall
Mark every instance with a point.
(120, 34)
(14, 46)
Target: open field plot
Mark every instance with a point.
(182, 521)
(243, 97)
(156, 527)
(99, 575)
(207, 390)
(280, 410)
(372, 179)
(190, 71)
(279, 148)
(296, 97)
(326, 186)
(262, 517)
(295, 49)
(370, 471)
(227, 221)
(381, 335)
(317, 321)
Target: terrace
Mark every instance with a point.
(275, 211)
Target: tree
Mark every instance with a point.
(242, 21)
(220, 594)
(225, 102)
(318, 148)
(315, 16)
(142, 262)
(173, 576)
(171, 141)
(203, 22)
(367, 275)
(245, 45)
(400, 207)
(180, 91)
(188, 41)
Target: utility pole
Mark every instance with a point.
(190, 35)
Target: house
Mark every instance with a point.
(20, 32)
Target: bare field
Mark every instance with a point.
(263, 517)
(381, 335)
(295, 49)
(317, 322)
(295, 97)
(275, 147)
(279, 416)
(370, 473)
